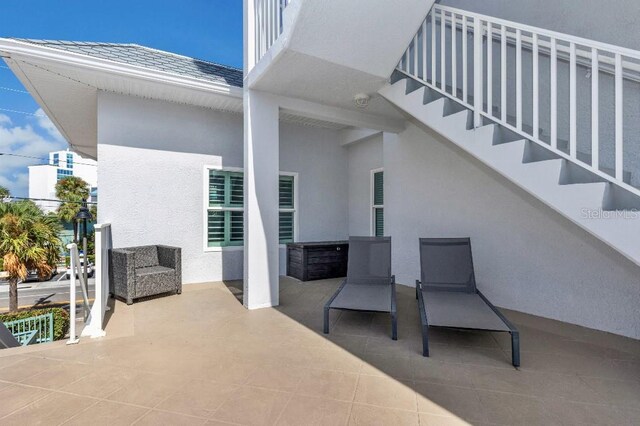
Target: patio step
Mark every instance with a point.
(597, 206)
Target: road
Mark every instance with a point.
(55, 291)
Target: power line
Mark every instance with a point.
(13, 90)
(43, 159)
(22, 112)
(48, 200)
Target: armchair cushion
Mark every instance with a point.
(155, 280)
(146, 256)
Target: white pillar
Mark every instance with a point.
(261, 198)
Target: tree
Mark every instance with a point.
(4, 192)
(28, 240)
(72, 191)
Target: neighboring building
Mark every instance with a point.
(350, 123)
(43, 178)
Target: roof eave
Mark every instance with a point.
(18, 49)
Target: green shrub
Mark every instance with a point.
(60, 319)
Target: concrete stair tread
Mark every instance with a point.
(525, 163)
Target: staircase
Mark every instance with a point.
(576, 185)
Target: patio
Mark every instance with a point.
(201, 357)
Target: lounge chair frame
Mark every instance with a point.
(393, 308)
(422, 308)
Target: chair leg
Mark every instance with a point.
(425, 341)
(394, 325)
(326, 320)
(515, 348)
(129, 301)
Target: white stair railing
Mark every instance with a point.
(76, 269)
(529, 84)
(95, 322)
(94, 315)
(268, 24)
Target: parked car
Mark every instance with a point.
(32, 274)
(90, 269)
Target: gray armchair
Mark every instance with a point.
(145, 271)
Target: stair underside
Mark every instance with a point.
(567, 188)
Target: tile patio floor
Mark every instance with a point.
(200, 357)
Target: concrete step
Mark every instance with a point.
(565, 186)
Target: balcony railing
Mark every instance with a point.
(575, 96)
(268, 22)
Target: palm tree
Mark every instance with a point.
(28, 240)
(72, 191)
(4, 192)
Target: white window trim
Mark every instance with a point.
(206, 207)
(373, 207)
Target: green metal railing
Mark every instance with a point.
(24, 329)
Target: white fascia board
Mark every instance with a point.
(339, 115)
(26, 51)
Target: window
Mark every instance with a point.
(377, 203)
(69, 160)
(64, 173)
(225, 214)
(225, 208)
(287, 209)
(56, 159)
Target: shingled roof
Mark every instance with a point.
(145, 57)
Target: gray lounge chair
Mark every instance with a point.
(369, 285)
(448, 297)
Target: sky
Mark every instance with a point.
(204, 29)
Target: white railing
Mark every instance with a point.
(268, 24)
(76, 269)
(529, 84)
(93, 314)
(95, 323)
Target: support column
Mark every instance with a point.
(261, 199)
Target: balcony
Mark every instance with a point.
(202, 357)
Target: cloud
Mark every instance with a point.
(47, 125)
(28, 140)
(17, 183)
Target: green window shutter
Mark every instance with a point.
(286, 192)
(236, 228)
(236, 189)
(217, 188)
(286, 227)
(378, 188)
(215, 228)
(379, 222)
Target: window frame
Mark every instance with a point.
(373, 206)
(207, 207)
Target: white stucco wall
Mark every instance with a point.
(151, 176)
(363, 156)
(526, 256)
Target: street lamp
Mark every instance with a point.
(82, 217)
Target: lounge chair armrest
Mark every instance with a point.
(169, 257)
(123, 266)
